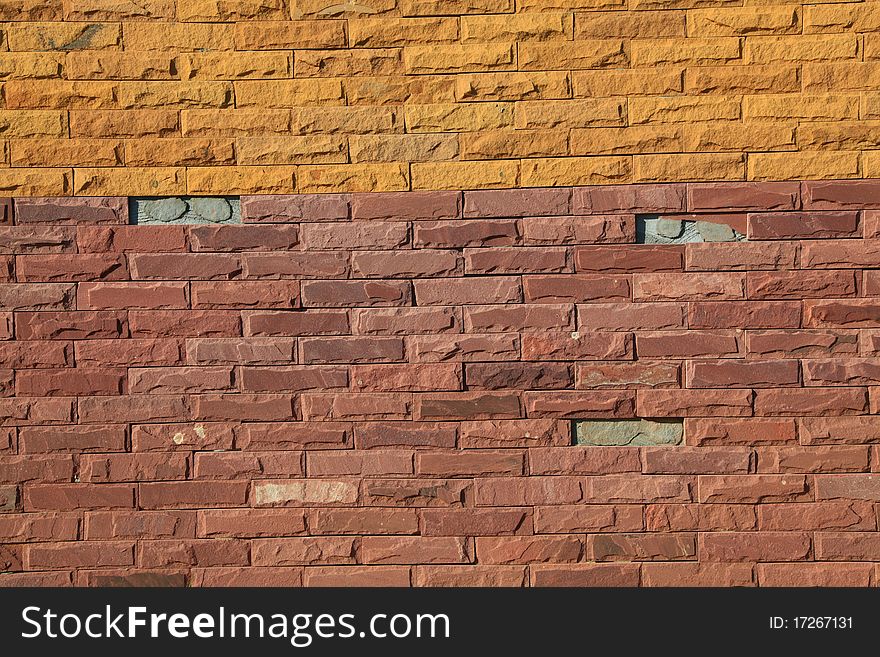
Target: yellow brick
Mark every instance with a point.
(870, 106)
(387, 32)
(177, 151)
(500, 144)
(742, 79)
(517, 27)
(809, 48)
(347, 63)
(353, 178)
(794, 106)
(234, 122)
(846, 17)
(145, 95)
(465, 175)
(718, 22)
(685, 51)
(118, 66)
(458, 118)
(671, 109)
(459, 59)
(454, 7)
(333, 8)
(233, 66)
(839, 135)
(681, 4)
(594, 84)
(741, 137)
(870, 165)
(568, 5)
(288, 93)
(31, 10)
(574, 55)
(177, 36)
(63, 36)
(403, 148)
(688, 167)
(308, 149)
(66, 152)
(512, 86)
(418, 90)
(564, 171)
(287, 35)
(35, 182)
(17, 66)
(345, 120)
(231, 10)
(628, 141)
(814, 165)
(840, 76)
(118, 10)
(123, 123)
(872, 46)
(562, 114)
(630, 25)
(240, 180)
(59, 94)
(129, 181)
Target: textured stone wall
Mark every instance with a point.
(477, 388)
(208, 97)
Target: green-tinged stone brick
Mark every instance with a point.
(628, 432)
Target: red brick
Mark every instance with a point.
(67, 267)
(628, 198)
(744, 196)
(406, 378)
(632, 317)
(688, 287)
(689, 344)
(250, 523)
(185, 266)
(40, 469)
(139, 524)
(741, 256)
(696, 460)
(383, 576)
(665, 517)
(294, 435)
(848, 486)
(467, 348)
(41, 579)
(640, 547)
(406, 321)
(416, 492)
(370, 435)
(60, 210)
(840, 194)
(516, 491)
(305, 322)
(243, 238)
(523, 318)
(6, 211)
(184, 437)
(468, 291)
(70, 325)
(748, 546)
(587, 518)
(249, 465)
(363, 521)
(122, 353)
(294, 379)
(814, 574)
(585, 575)
(803, 343)
(183, 323)
(516, 202)
(101, 296)
(476, 522)
(72, 497)
(626, 259)
(698, 574)
(355, 407)
(296, 264)
(800, 284)
(27, 411)
(694, 403)
(355, 235)
(458, 234)
(577, 346)
(817, 516)
(745, 374)
(583, 460)
(811, 401)
(37, 527)
(515, 260)
(133, 408)
(35, 354)
(70, 382)
(340, 294)
(423, 263)
(38, 296)
(753, 488)
(848, 546)
(849, 313)
(297, 207)
(130, 239)
(813, 459)
(238, 351)
(559, 231)
(245, 294)
(575, 288)
(466, 406)
(348, 462)
(473, 463)
(528, 549)
(192, 494)
(171, 380)
(132, 467)
(470, 576)
(521, 376)
(739, 431)
(405, 206)
(60, 556)
(37, 239)
(643, 374)
(838, 430)
(802, 225)
(351, 350)
(193, 552)
(577, 404)
(850, 372)
(243, 407)
(415, 550)
(74, 439)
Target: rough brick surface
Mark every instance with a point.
(451, 388)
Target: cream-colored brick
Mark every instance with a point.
(308, 149)
(845, 17)
(207, 11)
(240, 180)
(118, 10)
(458, 118)
(795, 106)
(685, 167)
(85, 65)
(347, 63)
(629, 24)
(813, 165)
(66, 152)
(517, 27)
(146, 95)
(182, 37)
(687, 109)
(512, 86)
(403, 148)
(417, 90)
(608, 53)
(459, 59)
(234, 66)
(595, 84)
(716, 22)
(334, 8)
(388, 32)
(503, 144)
(685, 51)
(840, 76)
(803, 48)
(35, 182)
(28, 124)
(742, 79)
(353, 178)
(465, 175)
(234, 122)
(63, 36)
(59, 94)
(346, 120)
(288, 35)
(839, 135)
(179, 152)
(565, 171)
(288, 93)
(129, 181)
(33, 65)
(559, 114)
(454, 7)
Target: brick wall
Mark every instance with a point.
(158, 97)
(389, 389)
